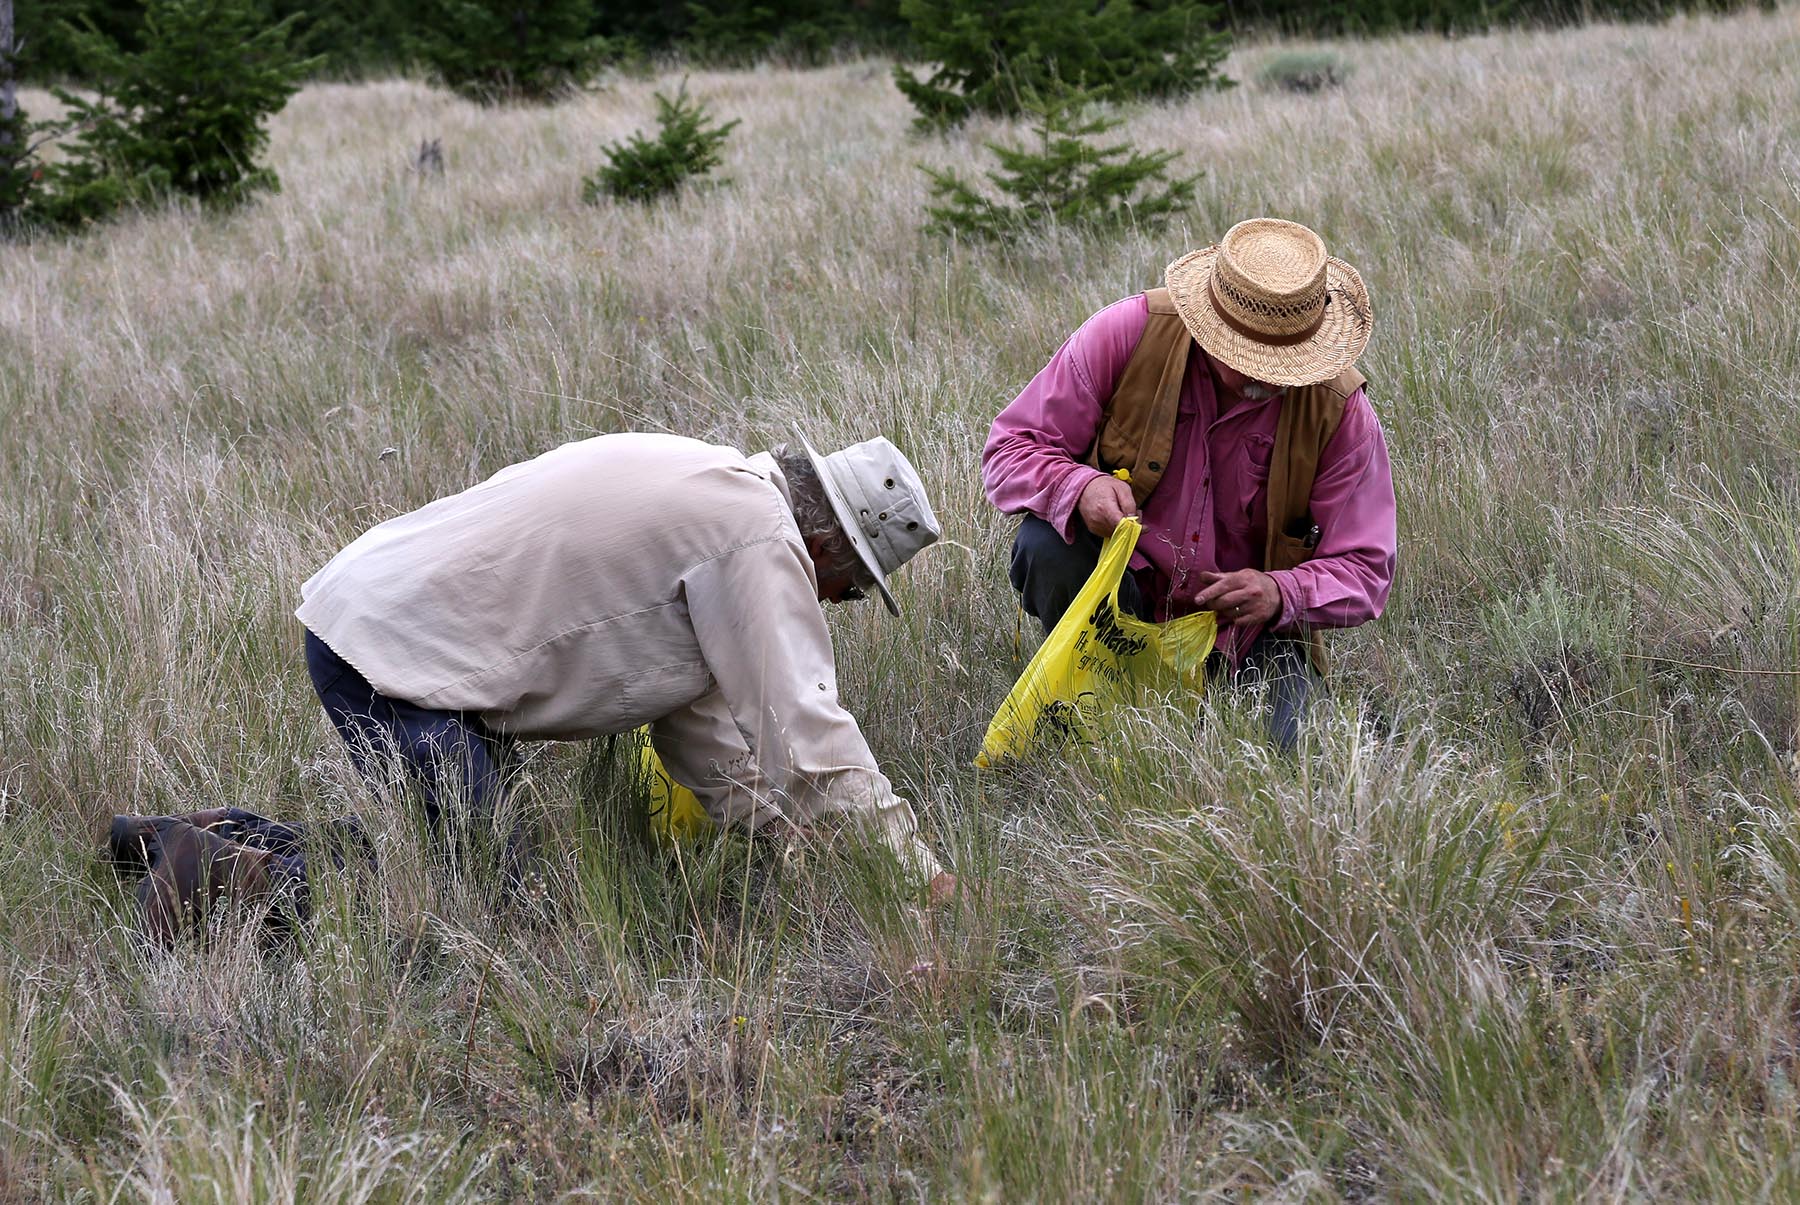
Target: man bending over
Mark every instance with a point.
(620, 581)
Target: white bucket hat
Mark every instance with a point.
(880, 503)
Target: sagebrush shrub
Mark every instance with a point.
(1365, 17)
(1064, 179)
(686, 147)
(1304, 71)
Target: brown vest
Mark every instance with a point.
(1137, 432)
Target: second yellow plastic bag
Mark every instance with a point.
(675, 812)
(1097, 655)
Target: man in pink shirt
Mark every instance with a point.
(1256, 464)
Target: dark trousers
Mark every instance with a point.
(459, 767)
(1048, 574)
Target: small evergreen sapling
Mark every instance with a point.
(183, 116)
(1066, 179)
(643, 169)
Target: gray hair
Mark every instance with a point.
(813, 514)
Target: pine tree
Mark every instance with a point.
(1064, 180)
(15, 166)
(993, 57)
(47, 29)
(687, 146)
(351, 38)
(511, 50)
(183, 116)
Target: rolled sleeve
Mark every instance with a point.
(756, 615)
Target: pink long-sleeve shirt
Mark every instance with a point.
(1210, 510)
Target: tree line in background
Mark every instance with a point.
(353, 38)
(171, 97)
(540, 42)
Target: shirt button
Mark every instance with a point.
(821, 686)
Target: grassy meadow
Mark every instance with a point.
(1521, 920)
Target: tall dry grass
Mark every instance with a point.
(1520, 921)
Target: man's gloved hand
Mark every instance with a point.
(1103, 502)
(1242, 598)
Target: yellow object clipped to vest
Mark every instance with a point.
(1097, 655)
(675, 812)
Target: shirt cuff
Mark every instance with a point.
(1292, 604)
(920, 864)
(1065, 510)
(894, 828)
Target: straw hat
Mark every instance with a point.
(880, 503)
(1269, 302)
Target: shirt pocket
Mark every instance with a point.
(1251, 480)
(1257, 450)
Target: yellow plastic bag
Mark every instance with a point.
(675, 813)
(1096, 656)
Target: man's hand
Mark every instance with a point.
(1242, 598)
(930, 968)
(944, 890)
(1103, 502)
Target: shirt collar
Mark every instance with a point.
(768, 466)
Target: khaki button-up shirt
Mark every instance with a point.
(614, 582)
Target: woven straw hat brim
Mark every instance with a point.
(1331, 349)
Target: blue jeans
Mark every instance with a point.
(1048, 574)
(452, 758)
